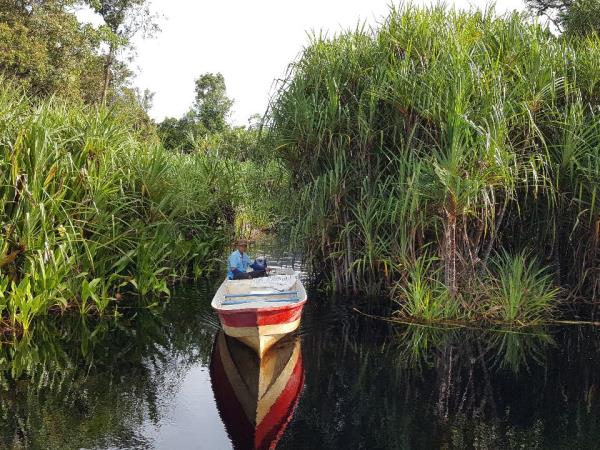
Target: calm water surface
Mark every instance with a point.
(145, 382)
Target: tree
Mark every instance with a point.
(235, 143)
(212, 106)
(146, 99)
(179, 134)
(44, 48)
(123, 19)
(573, 17)
(582, 18)
(133, 106)
(205, 124)
(255, 122)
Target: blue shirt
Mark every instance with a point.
(237, 260)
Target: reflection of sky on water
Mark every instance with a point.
(190, 418)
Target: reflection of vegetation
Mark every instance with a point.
(515, 351)
(73, 383)
(417, 342)
(417, 345)
(453, 388)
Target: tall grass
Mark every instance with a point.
(89, 212)
(462, 133)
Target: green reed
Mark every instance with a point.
(443, 133)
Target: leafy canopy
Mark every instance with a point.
(211, 105)
(573, 17)
(208, 115)
(48, 51)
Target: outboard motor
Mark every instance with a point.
(260, 264)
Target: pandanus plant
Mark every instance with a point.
(453, 134)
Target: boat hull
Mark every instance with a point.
(260, 328)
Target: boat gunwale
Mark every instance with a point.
(219, 298)
(257, 309)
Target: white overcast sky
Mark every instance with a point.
(250, 42)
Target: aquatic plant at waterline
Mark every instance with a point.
(88, 212)
(518, 290)
(443, 133)
(513, 290)
(425, 296)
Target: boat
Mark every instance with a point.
(261, 311)
(256, 397)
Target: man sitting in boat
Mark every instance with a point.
(239, 261)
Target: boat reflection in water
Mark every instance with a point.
(256, 398)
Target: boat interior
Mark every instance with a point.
(281, 287)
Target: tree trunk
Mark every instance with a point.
(107, 67)
(450, 250)
(351, 276)
(494, 232)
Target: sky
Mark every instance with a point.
(250, 42)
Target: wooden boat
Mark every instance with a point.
(261, 311)
(256, 397)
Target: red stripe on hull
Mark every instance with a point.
(271, 428)
(259, 317)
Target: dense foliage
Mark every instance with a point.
(573, 17)
(261, 179)
(97, 201)
(89, 212)
(48, 51)
(447, 136)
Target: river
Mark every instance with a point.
(147, 381)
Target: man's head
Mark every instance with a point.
(242, 245)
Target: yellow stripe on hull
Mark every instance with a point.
(261, 338)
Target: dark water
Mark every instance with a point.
(145, 382)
